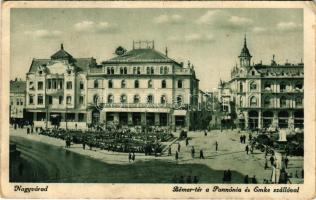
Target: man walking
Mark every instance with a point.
(129, 157)
(192, 152)
(177, 156)
(179, 147)
(201, 154)
(247, 149)
(216, 146)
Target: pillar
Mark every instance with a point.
(143, 118)
(259, 119)
(129, 119)
(246, 120)
(157, 119)
(275, 121)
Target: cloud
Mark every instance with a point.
(44, 33)
(170, 19)
(193, 38)
(259, 29)
(288, 26)
(219, 18)
(92, 27)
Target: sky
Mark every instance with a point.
(211, 39)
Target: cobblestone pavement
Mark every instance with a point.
(230, 155)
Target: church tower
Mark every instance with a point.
(245, 56)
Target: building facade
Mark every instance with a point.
(266, 96)
(17, 100)
(57, 90)
(142, 87)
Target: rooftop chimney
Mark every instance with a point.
(61, 46)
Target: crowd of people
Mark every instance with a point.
(118, 140)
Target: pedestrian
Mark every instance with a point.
(177, 156)
(266, 163)
(133, 157)
(28, 130)
(229, 175)
(186, 141)
(169, 151)
(205, 132)
(83, 144)
(192, 152)
(240, 138)
(216, 146)
(254, 180)
(247, 149)
(225, 176)
(179, 147)
(129, 157)
(272, 160)
(286, 162)
(201, 154)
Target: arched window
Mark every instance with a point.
(123, 84)
(283, 102)
(136, 98)
(179, 83)
(161, 70)
(96, 84)
(152, 70)
(81, 85)
(150, 83)
(298, 86)
(267, 86)
(241, 88)
(253, 102)
(110, 98)
(110, 83)
(148, 70)
(150, 99)
(108, 70)
(253, 86)
(163, 99)
(134, 70)
(163, 84)
(121, 70)
(125, 70)
(112, 70)
(282, 87)
(166, 70)
(136, 84)
(123, 98)
(138, 70)
(95, 99)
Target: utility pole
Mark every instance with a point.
(46, 106)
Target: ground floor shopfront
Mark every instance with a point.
(268, 118)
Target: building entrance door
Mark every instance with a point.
(136, 119)
(253, 119)
(123, 118)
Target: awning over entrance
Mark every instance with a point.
(180, 112)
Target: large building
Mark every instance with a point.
(138, 87)
(142, 87)
(265, 96)
(17, 100)
(57, 90)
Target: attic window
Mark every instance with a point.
(40, 72)
(253, 73)
(68, 72)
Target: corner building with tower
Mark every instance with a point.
(265, 96)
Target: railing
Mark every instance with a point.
(139, 105)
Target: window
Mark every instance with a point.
(134, 70)
(96, 84)
(138, 70)
(40, 100)
(125, 70)
(21, 102)
(121, 70)
(152, 71)
(108, 70)
(95, 99)
(163, 84)
(81, 117)
(31, 100)
(148, 70)
(31, 85)
(298, 86)
(136, 98)
(150, 83)
(241, 87)
(40, 85)
(283, 102)
(179, 99)
(282, 87)
(123, 84)
(61, 99)
(136, 84)
(54, 84)
(267, 86)
(253, 73)
(253, 102)
(123, 98)
(112, 70)
(150, 99)
(81, 100)
(179, 83)
(68, 99)
(267, 102)
(81, 85)
(110, 84)
(161, 70)
(299, 102)
(69, 85)
(241, 102)
(49, 84)
(166, 70)
(110, 98)
(163, 99)
(253, 86)
(60, 84)
(50, 100)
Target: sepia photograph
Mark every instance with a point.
(174, 95)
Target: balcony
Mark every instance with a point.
(139, 105)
